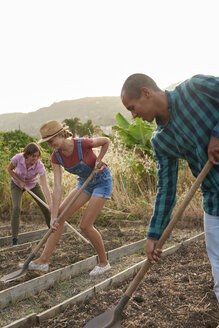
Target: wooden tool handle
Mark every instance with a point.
(77, 233)
(134, 284)
(36, 197)
(66, 223)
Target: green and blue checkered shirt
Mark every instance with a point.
(194, 118)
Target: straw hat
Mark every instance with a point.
(50, 129)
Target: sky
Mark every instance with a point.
(54, 50)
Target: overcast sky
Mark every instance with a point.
(53, 50)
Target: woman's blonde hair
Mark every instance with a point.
(66, 134)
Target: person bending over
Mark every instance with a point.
(24, 169)
(76, 156)
(187, 127)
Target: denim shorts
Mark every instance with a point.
(100, 186)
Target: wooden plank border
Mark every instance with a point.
(112, 281)
(25, 322)
(25, 245)
(25, 236)
(31, 287)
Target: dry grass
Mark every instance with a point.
(194, 212)
(133, 194)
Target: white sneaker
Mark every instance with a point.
(99, 270)
(38, 267)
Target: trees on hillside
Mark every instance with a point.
(79, 129)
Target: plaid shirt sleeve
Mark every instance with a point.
(167, 171)
(209, 86)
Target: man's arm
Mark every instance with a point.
(167, 171)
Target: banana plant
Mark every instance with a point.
(136, 134)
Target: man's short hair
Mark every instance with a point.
(134, 83)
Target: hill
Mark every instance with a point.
(101, 110)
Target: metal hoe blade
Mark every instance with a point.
(19, 273)
(107, 319)
(14, 275)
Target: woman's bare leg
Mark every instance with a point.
(56, 235)
(94, 207)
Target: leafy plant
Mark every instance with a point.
(136, 134)
(133, 163)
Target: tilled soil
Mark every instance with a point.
(70, 250)
(176, 293)
(62, 290)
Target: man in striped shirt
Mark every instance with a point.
(187, 127)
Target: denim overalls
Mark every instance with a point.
(99, 186)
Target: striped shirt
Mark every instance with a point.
(194, 118)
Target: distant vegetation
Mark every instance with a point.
(79, 129)
(129, 158)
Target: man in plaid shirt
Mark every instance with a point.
(187, 127)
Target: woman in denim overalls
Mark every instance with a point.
(96, 193)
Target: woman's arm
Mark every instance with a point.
(102, 142)
(11, 168)
(46, 190)
(57, 190)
